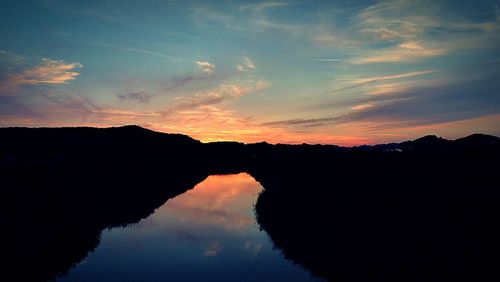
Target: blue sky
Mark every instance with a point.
(344, 72)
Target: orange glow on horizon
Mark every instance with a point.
(226, 127)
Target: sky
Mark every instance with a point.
(330, 72)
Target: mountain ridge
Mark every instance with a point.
(71, 183)
(472, 139)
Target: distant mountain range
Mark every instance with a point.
(13, 139)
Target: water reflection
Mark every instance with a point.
(208, 233)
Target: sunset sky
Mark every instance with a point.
(340, 72)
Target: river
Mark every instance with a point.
(209, 233)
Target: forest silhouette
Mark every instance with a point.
(425, 209)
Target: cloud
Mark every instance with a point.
(312, 122)
(388, 88)
(208, 202)
(213, 249)
(327, 59)
(139, 96)
(140, 51)
(409, 51)
(266, 24)
(112, 115)
(179, 82)
(14, 112)
(390, 77)
(64, 101)
(415, 30)
(349, 83)
(327, 35)
(204, 115)
(246, 65)
(204, 17)
(164, 86)
(497, 11)
(48, 72)
(361, 107)
(206, 67)
(255, 21)
(6, 56)
(399, 19)
(46, 106)
(221, 93)
(259, 7)
(428, 105)
(397, 103)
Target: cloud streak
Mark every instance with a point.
(206, 67)
(139, 96)
(405, 52)
(247, 65)
(311, 122)
(220, 94)
(350, 83)
(141, 51)
(47, 72)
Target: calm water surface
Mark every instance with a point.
(208, 233)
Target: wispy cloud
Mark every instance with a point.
(361, 107)
(388, 88)
(205, 17)
(267, 24)
(327, 59)
(308, 122)
(6, 56)
(221, 93)
(350, 82)
(206, 67)
(405, 52)
(213, 249)
(141, 51)
(326, 35)
(396, 19)
(246, 65)
(390, 77)
(250, 19)
(259, 7)
(426, 104)
(15, 112)
(140, 96)
(47, 72)
(412, 31)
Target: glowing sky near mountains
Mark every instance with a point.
(342, 72)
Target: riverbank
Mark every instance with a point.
(419, 209)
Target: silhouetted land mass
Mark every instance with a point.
(421, 210)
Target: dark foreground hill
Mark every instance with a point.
(426, 209)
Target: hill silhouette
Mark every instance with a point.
(418, 210)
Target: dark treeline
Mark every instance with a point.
(426, 209)
(420, 211)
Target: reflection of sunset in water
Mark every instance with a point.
(225, 200)
(210, 228)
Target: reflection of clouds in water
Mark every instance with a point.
(218, 191)
(210, 229)
(222, 218)
(225, 201)
(253, 247)
(212, 249)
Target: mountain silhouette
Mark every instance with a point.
(425, 209)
